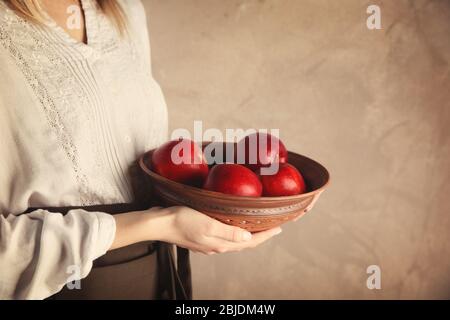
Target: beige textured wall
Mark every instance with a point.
(373, 106)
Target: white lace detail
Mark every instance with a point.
(31, 66)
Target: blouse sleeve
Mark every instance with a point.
(37, 250)
(40, 252)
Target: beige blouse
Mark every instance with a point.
(73, 118)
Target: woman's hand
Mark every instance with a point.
(193, 230)
(186, 228)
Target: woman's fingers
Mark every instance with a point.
(198, 232)
(229, 233)
(220, 245)
(262, 236)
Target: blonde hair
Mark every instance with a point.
(32, 10)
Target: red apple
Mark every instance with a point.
(233, 179)
(259, 150)
(288, 181)
(182, 161)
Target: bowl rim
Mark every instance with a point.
(223, 196)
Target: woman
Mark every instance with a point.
(78, 106)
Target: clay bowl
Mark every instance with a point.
(252, 214)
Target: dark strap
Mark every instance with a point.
(179, 277)
(176, 283)
(184, 272)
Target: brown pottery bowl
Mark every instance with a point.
(252, 214)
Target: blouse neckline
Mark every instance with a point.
(101, 35)
(91, 27)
